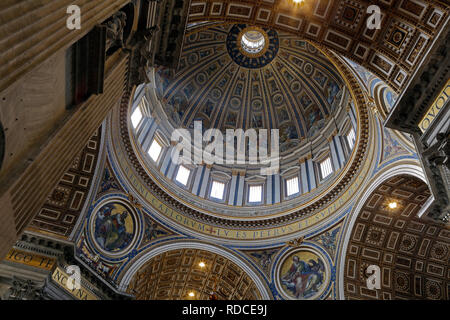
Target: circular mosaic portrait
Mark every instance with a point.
(113, 227)
(303, 275)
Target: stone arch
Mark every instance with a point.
(412, 253)
(341, 27)
(260, 285)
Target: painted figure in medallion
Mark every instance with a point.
(303, 279)
(114, 227)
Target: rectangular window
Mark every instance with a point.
(136, 117)
(351, 138)
(155, 150)
(325, 168)
(183, 175)
(217, 190)
(255, 194)
(292, 186)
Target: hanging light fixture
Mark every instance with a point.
(393, 205)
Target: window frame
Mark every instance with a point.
(350, 147)
(249, 188)
(286, 182)
(186, 186)
(327, 158)
(138, 108)
(224, 184)
(161, 152)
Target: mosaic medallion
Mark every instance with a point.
(252, 47)
(113, 227)
(303, 275)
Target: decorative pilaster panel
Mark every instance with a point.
(269, 189)
(304, 177)
(277, 188)
(311, 174)
(339, 150)
(151, 132)
(204, 182)
(240, 194)
(197, 180)
(167, 160)
(334, 157)
(233, 187)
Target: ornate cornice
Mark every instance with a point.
(423, 88)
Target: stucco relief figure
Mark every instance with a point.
(114, 30)
(304, 279)
(144, 39)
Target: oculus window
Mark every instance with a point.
(253, 41)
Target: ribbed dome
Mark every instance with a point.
(241, 77)
(287, 85)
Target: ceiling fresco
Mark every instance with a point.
(392, 52)
(110, 246)
(349, 192)
(291, 85)
(161, 194)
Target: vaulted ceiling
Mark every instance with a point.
(175, 274)
(412, 253)
(392, 52)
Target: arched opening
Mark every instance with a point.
(194, 274)
(412, 253)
